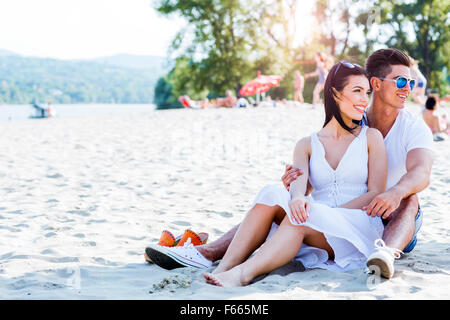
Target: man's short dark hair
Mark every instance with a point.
(430, 103)
(379, 62)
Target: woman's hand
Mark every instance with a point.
(299, 209)
(290, 174)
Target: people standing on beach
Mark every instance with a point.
(50, 111)
(322, 66)
(437, 124)
(408, 144)
(418, 93)
(298, 87)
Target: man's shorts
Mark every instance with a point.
(412, 244)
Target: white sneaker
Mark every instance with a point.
(177, 257)
(382, 259)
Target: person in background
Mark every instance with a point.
(50, 110)
(187, 102)
(418, 93)
(322, 67)
(242, 103)
(298, 87)
(228, 102)
(437, 123)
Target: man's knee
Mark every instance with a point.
(411, 206)
(407, 209)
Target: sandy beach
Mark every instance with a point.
(81, 198)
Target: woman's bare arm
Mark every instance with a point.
(311, 74)
(301, 160)
(298, 205)
(378, 165)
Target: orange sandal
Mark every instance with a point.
(167, 239)
(196, 239)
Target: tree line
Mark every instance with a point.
(228, 41)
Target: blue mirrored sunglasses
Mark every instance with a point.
(401, 82)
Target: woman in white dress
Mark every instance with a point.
(346, 165)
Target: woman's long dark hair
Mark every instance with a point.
(338, 80)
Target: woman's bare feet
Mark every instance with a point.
(231, 278)
(211, 279)
(218, 270)
(222, 268)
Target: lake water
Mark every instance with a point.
(23, 112)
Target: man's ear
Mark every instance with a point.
(375, 83)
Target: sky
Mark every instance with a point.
(83, 29)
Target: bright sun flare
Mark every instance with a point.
(304, 20)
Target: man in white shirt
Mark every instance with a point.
(408, 144)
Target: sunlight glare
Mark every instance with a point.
(304, 21)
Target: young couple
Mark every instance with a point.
(363, 170)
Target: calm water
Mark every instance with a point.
(23, 112)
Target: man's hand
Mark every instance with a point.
(290, 174)
(299, 209)
(384, 204)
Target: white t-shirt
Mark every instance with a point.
(408, 132)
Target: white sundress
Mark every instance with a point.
(350, 232)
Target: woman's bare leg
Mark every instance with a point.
(296, 95)
(316, 93)
(251, 234)
(278, 250)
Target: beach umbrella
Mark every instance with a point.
(260, 84)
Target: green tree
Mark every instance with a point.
(221, 44)
(421, 28)
(228, 41)
(164, 98)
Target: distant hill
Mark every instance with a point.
(136, 62)
(117, 79)
(7, 53)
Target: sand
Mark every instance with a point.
(81, 198)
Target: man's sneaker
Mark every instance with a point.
(177, 257)
(382, 259)
(167, 239)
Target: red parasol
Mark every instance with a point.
(259, 85)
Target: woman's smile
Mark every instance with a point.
(360, 108)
